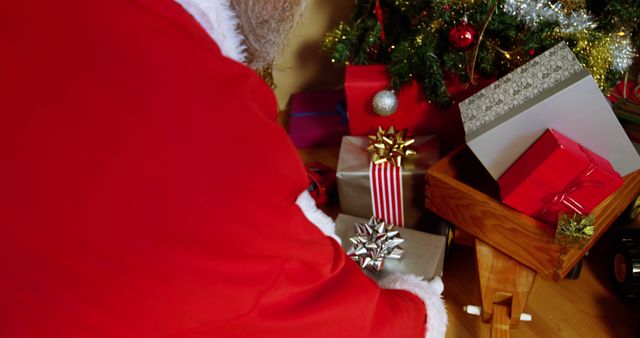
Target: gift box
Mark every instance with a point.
(318, 118)
(423, 252)
(354, 182)
(551, 91)
(557, 175)
(414, 112)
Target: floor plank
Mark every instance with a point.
(582, 308)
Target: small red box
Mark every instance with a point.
(557, 175)
(414, 112)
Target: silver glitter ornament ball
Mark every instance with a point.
(385, 103)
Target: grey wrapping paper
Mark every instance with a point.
(423, 256)
(352, 175)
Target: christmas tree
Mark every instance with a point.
(421, 39)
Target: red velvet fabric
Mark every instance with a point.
(146, 190)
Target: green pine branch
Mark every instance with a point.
(417, 45)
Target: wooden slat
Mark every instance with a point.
(502, 281)
(500, 322)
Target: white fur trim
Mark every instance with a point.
(430, 293)
(219, 21)
(316, 216)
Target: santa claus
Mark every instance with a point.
(147, 191)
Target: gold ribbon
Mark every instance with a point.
(391, 146)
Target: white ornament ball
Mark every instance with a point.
(385, 103)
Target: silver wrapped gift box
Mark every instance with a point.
(354, 189)
(423, 252)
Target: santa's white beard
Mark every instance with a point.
(266, 25)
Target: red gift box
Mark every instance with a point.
(317, 118)
(557, 175)
(414, 112)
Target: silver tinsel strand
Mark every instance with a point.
(534, 11)
(622, 53)
(373, 243)
(577, 21)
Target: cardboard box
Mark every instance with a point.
(550, 91)
(423, 252)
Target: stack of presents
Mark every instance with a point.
(545, 134)
(625, 97)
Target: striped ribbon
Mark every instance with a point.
(386, 192)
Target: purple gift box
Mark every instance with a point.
(318, 118)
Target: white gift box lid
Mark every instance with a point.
(551, 91)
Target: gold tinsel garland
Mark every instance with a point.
(593, 47)
(332, 38)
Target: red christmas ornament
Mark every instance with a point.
(462, 36)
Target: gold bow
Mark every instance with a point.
(391, 146)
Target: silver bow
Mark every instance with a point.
(374, 241)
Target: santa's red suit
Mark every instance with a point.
(147, 191)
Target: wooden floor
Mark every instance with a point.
(582, 308)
